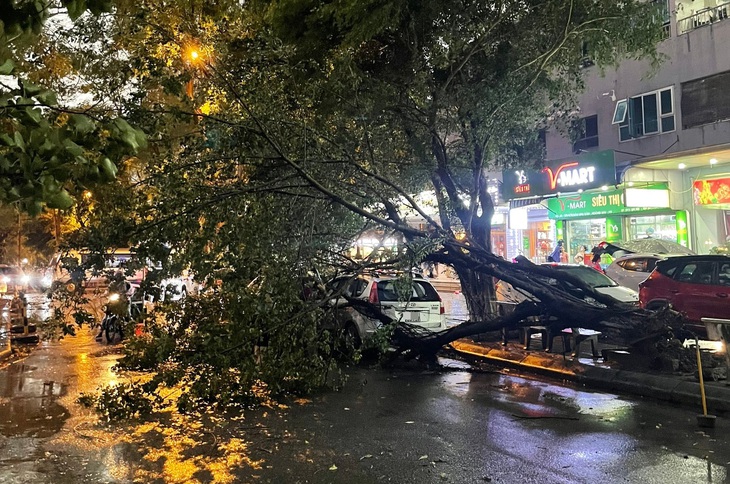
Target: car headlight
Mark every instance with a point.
(6, 279)
(114, 297)
(25, 279)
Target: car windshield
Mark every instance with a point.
(591, 277)
(421, 291)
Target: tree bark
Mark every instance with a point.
(479, 293)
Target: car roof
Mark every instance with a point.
(646, 254)
(710, 257)
(383, 276)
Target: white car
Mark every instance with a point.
(420, 306)
(630, 270)
(508, 296)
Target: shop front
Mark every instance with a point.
(711, 199)
(533, 231)
(616, 215)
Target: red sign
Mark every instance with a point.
(711, 192)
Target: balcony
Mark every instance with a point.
(705, 16)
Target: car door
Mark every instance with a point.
(694, 292)
(718, 297)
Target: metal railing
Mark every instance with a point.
(703, 17)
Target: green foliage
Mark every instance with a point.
(122, 401)
(49, 153)
(306, 123)
(237, 345)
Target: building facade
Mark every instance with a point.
(668, 131)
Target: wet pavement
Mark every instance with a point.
(463, 425)
(386, 425)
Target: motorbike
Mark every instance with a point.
(125, 303)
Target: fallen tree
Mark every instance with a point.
(549, 305)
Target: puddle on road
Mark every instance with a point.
(28, 404)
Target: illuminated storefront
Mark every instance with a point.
(614, 215)
(711, 198)
(533, 230)
(699, 186)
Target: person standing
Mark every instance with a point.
(557, 252)
(580, 257)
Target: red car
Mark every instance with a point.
(696, 285)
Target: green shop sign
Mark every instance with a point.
(597, 204)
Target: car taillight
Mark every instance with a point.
(373, 298)
(441, 304)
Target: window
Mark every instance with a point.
(696, 273)
(357, 287)
(723, 276)
(635, 265)
(663, 12)
(586, 60)
(646, 114)
(706, 100)
(585, 131)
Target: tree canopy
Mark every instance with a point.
(279, 131)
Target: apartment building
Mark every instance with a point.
(667, 131)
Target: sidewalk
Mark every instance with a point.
(595, 373)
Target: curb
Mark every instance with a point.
(659, 387)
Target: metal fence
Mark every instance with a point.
(703, 17)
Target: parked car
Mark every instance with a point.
(175, 288)
(696, 285)
(12, 279)
(632, 269)
(421, 306)
(508, 296)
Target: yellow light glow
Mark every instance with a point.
(192, 54)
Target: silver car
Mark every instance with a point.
(508, 296)
(418, 305)
(630, 270)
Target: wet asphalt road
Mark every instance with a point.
(403, 426)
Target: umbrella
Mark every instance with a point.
(654, 246)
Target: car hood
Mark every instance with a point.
(620, 293)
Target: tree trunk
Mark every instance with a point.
(478, 290)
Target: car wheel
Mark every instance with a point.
(352, 337)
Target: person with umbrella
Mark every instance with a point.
(557, 252)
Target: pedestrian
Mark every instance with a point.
(557, 252)
(580, 257)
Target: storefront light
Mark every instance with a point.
(604, 188)
(713, 161)
(681, 166)
(631, 184)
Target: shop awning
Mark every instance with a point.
(524, 202)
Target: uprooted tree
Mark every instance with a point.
(280, 131)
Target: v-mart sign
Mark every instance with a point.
(589, 170)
